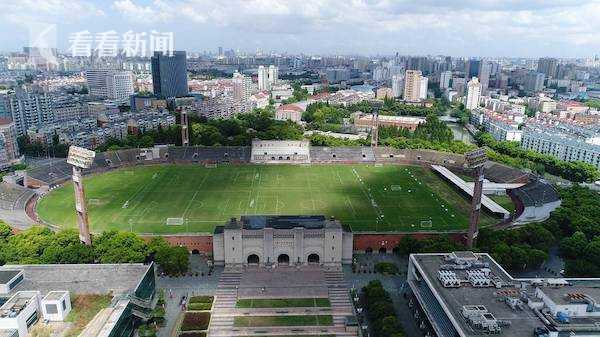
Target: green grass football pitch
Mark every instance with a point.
(170, 199)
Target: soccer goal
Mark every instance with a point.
(210, 165)
(396, 188)
(174, 221)
(93, 202)
(426, 224)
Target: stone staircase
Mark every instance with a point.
(221, 321)
(224, 310)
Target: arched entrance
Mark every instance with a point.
(313, 259)
(369, 250)
(253, 259)
(382, 250)
(283, 259)
(195, 251)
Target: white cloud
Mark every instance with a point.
(24, 12)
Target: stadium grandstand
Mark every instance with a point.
(355, 154)
(280, 151)
(535, 201)
(505, 174)
(402, 156)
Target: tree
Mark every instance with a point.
(173, 260)
(572, 246)
(66, 248)
(119, 247)
(5, 231)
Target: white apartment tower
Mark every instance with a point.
(263, 78)
(423, 88)
(412, 85)
(110, 83)
(473, 93)
(273, 74)
(397, 85)
(445, 78)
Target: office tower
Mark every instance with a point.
(548, 66)
(472, 68)
(473, 93)
(263, 78)
(273, 75)
(534, 81)
(169, 74)
(397, 85)
(412, 85)
(423, 88)
(109, 83)
(485, 70)
(445, 78)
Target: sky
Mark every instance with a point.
(482, 28)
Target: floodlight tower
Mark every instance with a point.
(375, 120)
(185, 135)
(475, 160)
(81, 158)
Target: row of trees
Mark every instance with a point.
(512, 154)
(380, 311)
(39, 245)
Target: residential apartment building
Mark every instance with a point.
(27, 109)
(565, 143)
(412, 86)
(445, 78)
(473, 94)
(111, 84)
(9, 149)
(263, 78)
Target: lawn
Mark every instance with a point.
(84, 308)
(504, 201)
(283, 303)
(261, 321)
(195, 199)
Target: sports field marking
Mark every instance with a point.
(351, 207)
(189, 204)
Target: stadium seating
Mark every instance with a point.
(356, 154)
(406, 156)
(504, 174)
(14, 196)
(53, 173)
(539, 198)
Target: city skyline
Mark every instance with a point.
(466, 28)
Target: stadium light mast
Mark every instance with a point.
(475, 160)
(375, 120)
(185, 135)
(81, 158)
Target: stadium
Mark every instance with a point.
(183, 193)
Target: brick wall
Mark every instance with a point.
(389, 241)
(201, 243)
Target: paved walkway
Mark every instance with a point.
(176, 287)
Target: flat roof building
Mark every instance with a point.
(469, 294)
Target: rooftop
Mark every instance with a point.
(7, 275)
(79, 278)
(475, 292)
(257, 222)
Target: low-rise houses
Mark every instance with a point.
(292, 112)
(364, 122)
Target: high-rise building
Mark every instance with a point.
(472, 68)
(548, 66)
(263, 78)
(423, 88)
(445, 78)
(397, 85)
(412, 85)
(109, 83)
(273, 75)
(485, 70)
(9, 150)
(473, 93)
(29, 109)
(534, 81)
(169, 74)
